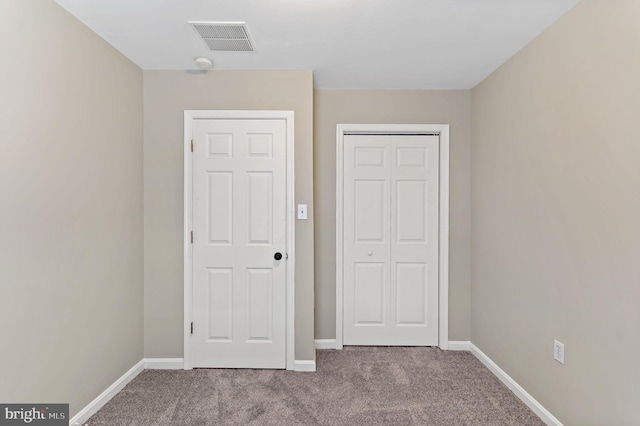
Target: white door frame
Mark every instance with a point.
(441, 130)
(189, 117)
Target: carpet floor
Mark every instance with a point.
(354, 386)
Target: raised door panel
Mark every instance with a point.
(260, 304)
(369, 157)
(411, 211)
(219, 145)
(411, 300)
(220, 309)
(260, 212)
(260, 145)
(369, 204)
(369, 297)
(220, 200)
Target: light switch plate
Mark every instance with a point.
(558, 351)
(302, 211)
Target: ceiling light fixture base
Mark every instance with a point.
(204, 63)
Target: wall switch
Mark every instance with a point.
(558, 351)
(302, 211)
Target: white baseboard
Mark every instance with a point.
(325, 343)
(93, 407)
(453, 345)
(304, 365)
(462, 345)
(518, 390)
(163, 363)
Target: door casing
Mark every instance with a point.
(189, 117)
(441, 130)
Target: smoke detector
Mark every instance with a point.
(204, 63)
(224, 36)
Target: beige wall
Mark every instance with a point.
(391, 106)
(71, 217)
(166, 95)
(556, 215)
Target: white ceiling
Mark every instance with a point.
(357, 44)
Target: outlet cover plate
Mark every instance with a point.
(558, 351)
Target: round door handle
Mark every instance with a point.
(277, 256)
(370, 253)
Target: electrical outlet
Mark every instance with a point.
(558, 351)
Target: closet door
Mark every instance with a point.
(414, 241)
(390, 260)
(367, 248)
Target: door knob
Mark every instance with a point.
(370, 253)
(277, 256)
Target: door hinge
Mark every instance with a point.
(192, 328)
(191, 145)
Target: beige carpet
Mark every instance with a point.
(354, 386)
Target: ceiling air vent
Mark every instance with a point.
(225, 36)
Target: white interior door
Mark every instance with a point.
(239, 221)
(390, 251)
